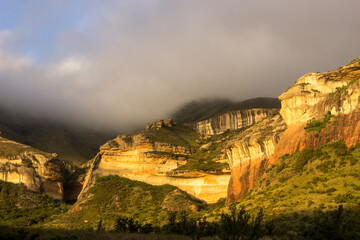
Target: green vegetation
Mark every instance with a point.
(182, 135)
(21, 207)
(316, 125)
(179, 134)
(340, 90)
(113, 196)
(204, 165)
(12, 149)
(307, 187)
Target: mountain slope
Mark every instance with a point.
(73, 144)
(113, 196)
(202, 110)
(317, 109)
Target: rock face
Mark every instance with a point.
(160, 124)
(231, 121)
(38, 171)
(312, 96)
(248, 155)
(138, 158)
(315, 94)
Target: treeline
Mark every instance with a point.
(237, 224)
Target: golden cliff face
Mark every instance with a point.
(312, 96)
(37, 170)
(249, 153)
(337, 92)
(315, 93)
(138, 158)
(231, 121)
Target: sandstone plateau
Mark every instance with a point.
(137, 157)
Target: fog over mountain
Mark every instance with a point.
(120, 64)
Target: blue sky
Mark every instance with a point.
(40, 21)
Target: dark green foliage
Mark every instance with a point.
(340, 90)
(302, 158)
(61, 237)
(343, 198)
(178, 135)
(239, 224)
(204, 165)
(329, 226)
(21, 207)
(113, 197)
(316, 125)
(127, 225)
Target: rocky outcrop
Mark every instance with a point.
(248, 155)
(231, 121)
(160, 124)
(335, 93)
(315, 94)
(38, 171)
(138, 158)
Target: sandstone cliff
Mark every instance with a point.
(248, 155)
(312, 96)
(231, 121)
(37, 170)
(152, 156)
(318, 108)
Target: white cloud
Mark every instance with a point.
(132, 62)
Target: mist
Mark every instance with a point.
(120, 64)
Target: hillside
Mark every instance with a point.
(21, 207)
(196, 111)
(76, 145)
(307, 183)
(113, 196)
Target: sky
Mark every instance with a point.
(120, 64)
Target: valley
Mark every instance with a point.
(289, 170)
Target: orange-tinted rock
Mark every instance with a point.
(248, 155)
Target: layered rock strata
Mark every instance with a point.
(334, 93)
(38, 171)
(314, 95)
(231, 121)
(138, 158)
(248, 155)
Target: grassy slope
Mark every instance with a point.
(114, 196)
(20, 207)
(308, 181)
(11, 148)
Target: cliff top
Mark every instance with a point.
(318, 83)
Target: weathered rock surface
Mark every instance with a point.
(138, 158)
(231, 121)
(316, 93)
(38, 171)
(307, 100)
(249, 153)
(160, 124)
